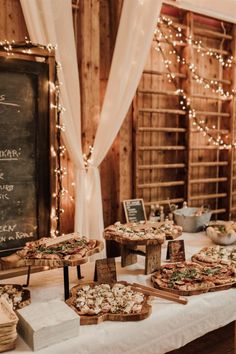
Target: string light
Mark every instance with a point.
(214, 85)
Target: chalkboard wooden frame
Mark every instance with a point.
(43, 71)
(141, 204)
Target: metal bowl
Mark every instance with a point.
(217, 232)
(190, 222)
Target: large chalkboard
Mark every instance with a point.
(24, 153)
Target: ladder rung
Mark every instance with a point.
(219, 131)
(166, 201)
(162, 110)
(210, 33)
(215, 114)
(209, 196)
(162, 129)
(218, 211)
(159, 92)
(205, 147)
(218, 98)
(208, 180)
(149, 167)
(210, 163)
(156, 72)
(161, 184)
(165, 148)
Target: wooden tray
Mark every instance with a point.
(14, 260)
(25, 294)
(96, 319)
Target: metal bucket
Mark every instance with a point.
(191, 223)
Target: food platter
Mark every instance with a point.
(15, 295)
(215, 255)
(141, 233)
(190, 278)
(67, 250)
(107, 293)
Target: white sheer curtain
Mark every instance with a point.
(51, 21)
(134, 38)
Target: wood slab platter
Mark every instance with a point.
(50, 257)
(133, 234)
(158, 278)
(96, 319)
(16, 295)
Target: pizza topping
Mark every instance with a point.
(12, 294)
(216, 254)
(104, 298)
(190, 276)
(73, 248)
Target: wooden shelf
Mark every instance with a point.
(210, 97)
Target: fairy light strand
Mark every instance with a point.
(185, 101)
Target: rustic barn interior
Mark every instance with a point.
(176, 144)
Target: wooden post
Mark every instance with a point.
(89, 60)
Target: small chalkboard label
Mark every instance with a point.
(134, 210)
(105, 270)
(176, 251)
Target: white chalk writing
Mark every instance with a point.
(9, 154)
(7, 228)
(3, 102)
(6, 187)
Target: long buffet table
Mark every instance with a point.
(169, 327)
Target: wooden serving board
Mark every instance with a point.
(192, 292)
(25, 294)
(14, 260)
(96, 319)
(8, 322)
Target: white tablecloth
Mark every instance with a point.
(169, 327)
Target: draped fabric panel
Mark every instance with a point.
(50, 21)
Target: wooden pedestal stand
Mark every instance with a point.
(149, 248)
(15, 261)
(151, 252)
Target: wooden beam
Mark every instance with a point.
(209, 180)
(161, 184)
(162, 110)
(165, 148)
(161, 166)
(208, 196)
(89, 62)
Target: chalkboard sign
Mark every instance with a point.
(134, 210)
(24, 152)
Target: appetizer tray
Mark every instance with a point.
(8, 322)
(121, 301)
(189, 278)
(141, 233)
(67, 250)
(15, 295)
(215, 255)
